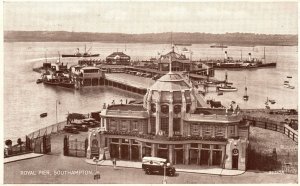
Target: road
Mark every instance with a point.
(50, 169)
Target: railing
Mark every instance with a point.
(127, 113)
(266, 123)
(230, 118)
(48, 130)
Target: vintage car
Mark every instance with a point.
(157, 165)
(71, 129)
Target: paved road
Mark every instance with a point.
(53, 167)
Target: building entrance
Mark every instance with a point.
(178, 156)
(135, 153)
(194, 156)
(235, 158)
(114, 150)
(204, 157)
(217, 158)
(162, 153)
(124, 152)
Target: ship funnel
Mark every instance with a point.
(249, 56)
(226, 57)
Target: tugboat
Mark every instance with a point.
(78, 54)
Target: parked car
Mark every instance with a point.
(156, 77)
(71, 129)
(91, 122)
(157, 165)
(82, 128)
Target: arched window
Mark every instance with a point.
(188, 107)
(165, 109)
(153, 107)
(177, 109)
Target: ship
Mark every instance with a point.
(218, 46)
(78, 54)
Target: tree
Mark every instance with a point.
(8, 143)
(19, 141)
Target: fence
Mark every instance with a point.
(74, 147)
(273, 125)
(55, 128)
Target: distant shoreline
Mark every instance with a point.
(240, 45)
(231, 39)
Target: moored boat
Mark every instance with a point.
(43, 115)
(67, 84)
(39, 81)
(227, 89)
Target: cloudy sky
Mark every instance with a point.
(153, 17)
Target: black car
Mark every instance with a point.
(83, 128)
(153, 165)
(71, 129)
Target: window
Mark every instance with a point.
(176, 124)
(219, 131)
(165, 109)
(177, 109)
(188, 108)
(135, 125)
(152, 123)
(194, 145)
(231, 130)
(116, 140)
(165, 124)
(153, 107)
(195, 129)
(205, 146)
(207, 130)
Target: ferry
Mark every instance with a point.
(78, 54)
(218, 46)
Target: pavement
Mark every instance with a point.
(22, 157)
(179, 168)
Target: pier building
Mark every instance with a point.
(118, 58)
(171, 123)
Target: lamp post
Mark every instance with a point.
(97, 174)
(164, 180)
(56, 102)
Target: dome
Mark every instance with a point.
(170, 82)
(171, 88)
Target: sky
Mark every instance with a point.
(152, 16)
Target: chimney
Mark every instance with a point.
(249, 56)
(226, 57)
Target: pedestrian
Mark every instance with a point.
(114, 163)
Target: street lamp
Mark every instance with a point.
(97, 174)
(164, 180)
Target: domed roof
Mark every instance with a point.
(170, 82)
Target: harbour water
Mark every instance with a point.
(24, 100)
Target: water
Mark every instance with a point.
(24, 100)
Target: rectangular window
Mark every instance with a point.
(231, 130)
(152, 123)
(219, 131)
(205, 146)
(207, 130)
(195, 130)
(164, 122)
(194, 145)
(116, 140)
(134, 125)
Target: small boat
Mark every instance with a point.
(288, 76)
(272, 101)
(218, 46)
(291, 87)
(185, 49)
(39, 81)
(286, 83)
(227, 89)
(43, 115)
